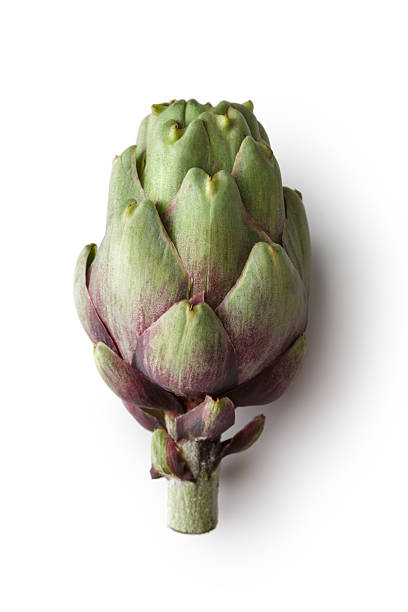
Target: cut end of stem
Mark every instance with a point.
(193, 506)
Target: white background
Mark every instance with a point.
(314, 516)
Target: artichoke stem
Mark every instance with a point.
(193, 506)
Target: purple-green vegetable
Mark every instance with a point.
(197, 299)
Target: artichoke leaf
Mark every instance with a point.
(212, 232)
(263, 134)
(225, 133)
(207, 421)
(245, 438)
(137, 275)
(246, 111)
(194, 109)
(167, 458)
(148, 418)
(265, 310)
(258, 177)
(129, 384)
(296, 237)
(87, 313)
(187, 351)
(125, 186)
(273, 381)
(171, 152)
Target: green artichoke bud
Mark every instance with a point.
(197, 298)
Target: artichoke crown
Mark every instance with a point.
(200, 286)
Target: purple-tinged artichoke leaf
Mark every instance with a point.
(149, 419)
(265, 310)
(159, 452)
(258, 177)
(296, 237)
(245, 438)
(207, 421)
(167, 458)
(212, 232)
(176, 462)
(187, 351)
(225, 131)
(129, 384)
(171, 151)
(137, 275)
(273, 381)
(154, 474)
(125, 186)
(87, 313)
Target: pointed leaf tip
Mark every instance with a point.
(129, 384)
(154, 474)
(208, 213)
(207, 421)
(149, 419)
(187, 351)
(167, 459)
(258, 177)
(245, 438)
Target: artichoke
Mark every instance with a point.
(197, 299)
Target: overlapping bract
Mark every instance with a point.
(199, 289)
